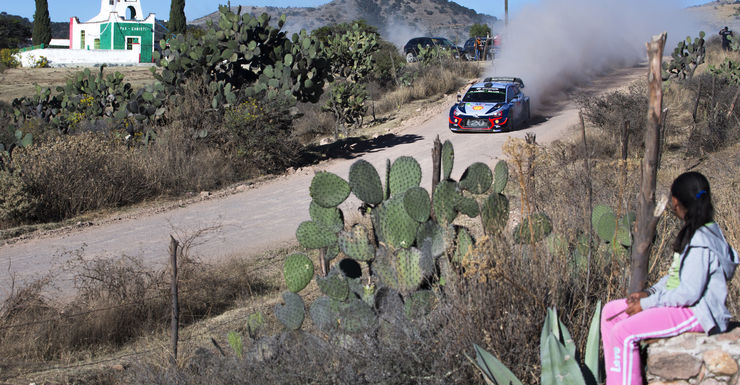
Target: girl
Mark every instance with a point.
(691, 298)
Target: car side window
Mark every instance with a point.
(514, 92)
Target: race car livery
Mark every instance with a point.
(493, 105)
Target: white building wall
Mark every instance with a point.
(80, 58)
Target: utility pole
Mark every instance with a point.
(506, 12)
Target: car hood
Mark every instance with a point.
(478, 109)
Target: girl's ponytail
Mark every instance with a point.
(692, 191)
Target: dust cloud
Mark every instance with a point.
(555, 44)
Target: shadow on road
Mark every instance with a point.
(352, 148)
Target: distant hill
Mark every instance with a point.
(397, 20)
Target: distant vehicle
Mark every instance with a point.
(496, 104)
(490, 48)
(411, 49)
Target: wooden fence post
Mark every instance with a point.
(175, 321)
(647, 219)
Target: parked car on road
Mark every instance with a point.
(411, 49)
(496, 104)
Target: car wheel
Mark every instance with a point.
(410, 58)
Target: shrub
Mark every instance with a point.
(7, 58)
(611, 111)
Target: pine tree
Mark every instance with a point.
(41, 23)
(177, 22)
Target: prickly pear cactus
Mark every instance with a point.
(297, 271)
(477, 178)
(312, 235)
(417, 203)
(541, 227)
(334, 285)
(397, 227)
(331, 218)
(500, 177)
(464, 244)
(405, 174)
(364, 182)
(448, 159)
(494, 213)
(328, 190)
(292, 312)
(355, 244)
(444, 201)
(324, 317)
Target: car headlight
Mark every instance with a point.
(457, 111)
(496, 113)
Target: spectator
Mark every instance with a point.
(725, 33)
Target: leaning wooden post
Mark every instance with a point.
(647, 219)
(175, 304)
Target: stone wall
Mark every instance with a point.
(695, 359)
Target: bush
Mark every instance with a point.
(7, 60)
(611, 111)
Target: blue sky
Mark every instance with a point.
(60, 10)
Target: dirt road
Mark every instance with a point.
(265, 217)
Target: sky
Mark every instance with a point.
(60, 10)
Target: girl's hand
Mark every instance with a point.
(633, 308)
(635, 297)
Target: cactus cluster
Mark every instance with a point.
(17, 139)
(729, 70)
(687, 55)
(407, 250)
(244, 55)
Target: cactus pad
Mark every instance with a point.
(311, 235)
(467, 206)
(624, 236)
(541, 227)
(419, 304)
(395, 225)
(297, 271)
(331, 253)
(330, 218)
(328, 190)
(417, 203)
(607, 226)
(494, 213)
(405, 173)
(477, 178)
(556, 244)
(364, 182)
(444, 199)
(431, 235)
(597, 212)
(292, 313)
(356, 316)
(355, 244)
(448, 159)
(500, 176)
(323, 316)
(386, 274)
(464, 244)
(334, 285)
(408, 263)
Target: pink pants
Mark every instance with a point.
(622, 335)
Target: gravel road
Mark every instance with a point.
(265, 216)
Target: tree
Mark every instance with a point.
(480, 30)
(41, 23)
(177, 23)
(14, 30)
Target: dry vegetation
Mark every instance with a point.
(498, 300)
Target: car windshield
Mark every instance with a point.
(443, 42)
(485, 95)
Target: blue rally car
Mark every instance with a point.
(496, 104)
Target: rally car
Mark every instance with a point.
(496, 104)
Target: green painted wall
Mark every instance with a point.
(105, 33)
(145, 32)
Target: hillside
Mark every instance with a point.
(397, 20)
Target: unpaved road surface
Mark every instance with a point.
(265, 216)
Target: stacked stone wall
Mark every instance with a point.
(695, 359)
